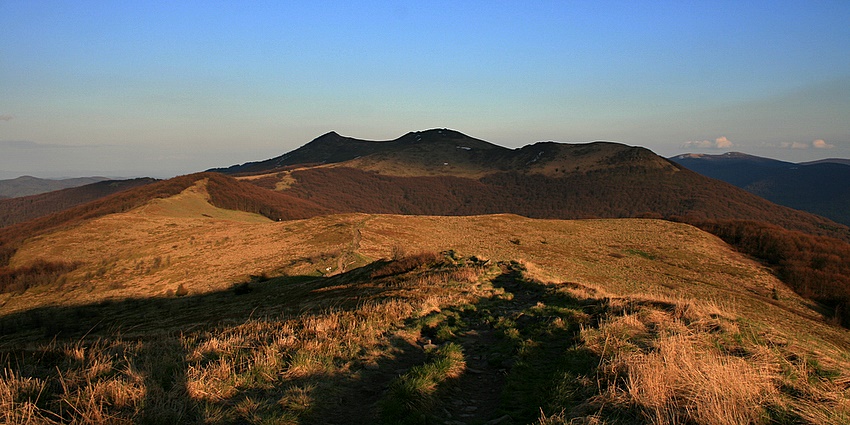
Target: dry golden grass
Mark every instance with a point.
(687, 361)
(229, 373)
(685, 329)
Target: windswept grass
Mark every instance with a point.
(41, 273)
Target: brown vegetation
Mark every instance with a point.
(252, 364)
(225, 192)
(229, 193)
(11, 236)
(612, 193)
(813, 257)
(452, 340)
(39, 274)
(815, 267)
(404, 264)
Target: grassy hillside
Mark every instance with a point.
(222, 191)
(403, 319)
(599, 180)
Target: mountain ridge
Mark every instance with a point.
(332, 147)
(448, 152)
(820, 187)
(29, 185)
(25, 208)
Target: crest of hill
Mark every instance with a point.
(844, 161)
(448, 152)
(224, 192)
(730, 157)
(333, 148)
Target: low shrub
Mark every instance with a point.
(405, 264)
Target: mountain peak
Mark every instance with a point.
(438, 151)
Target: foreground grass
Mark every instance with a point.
(422, 339)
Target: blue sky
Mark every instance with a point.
(129, 88)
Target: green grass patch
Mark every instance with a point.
(641, 253)
(412, 395)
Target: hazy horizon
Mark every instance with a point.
(142, 89)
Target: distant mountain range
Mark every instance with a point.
(24, 208)
(28, 185)
(444, 152)
(821, 187)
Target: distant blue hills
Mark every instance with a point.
(820, 187)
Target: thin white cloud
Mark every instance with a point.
(721, 142)
(816, 144)
(6, 117)
(28, 144)
(18, 144)
(794, 145)
(821, 144)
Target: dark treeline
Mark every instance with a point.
(816, 267)
(615, 193)
(229, 193)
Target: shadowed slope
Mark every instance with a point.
(426, 339)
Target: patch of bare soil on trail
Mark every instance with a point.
(477, 397)
(513, 345)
